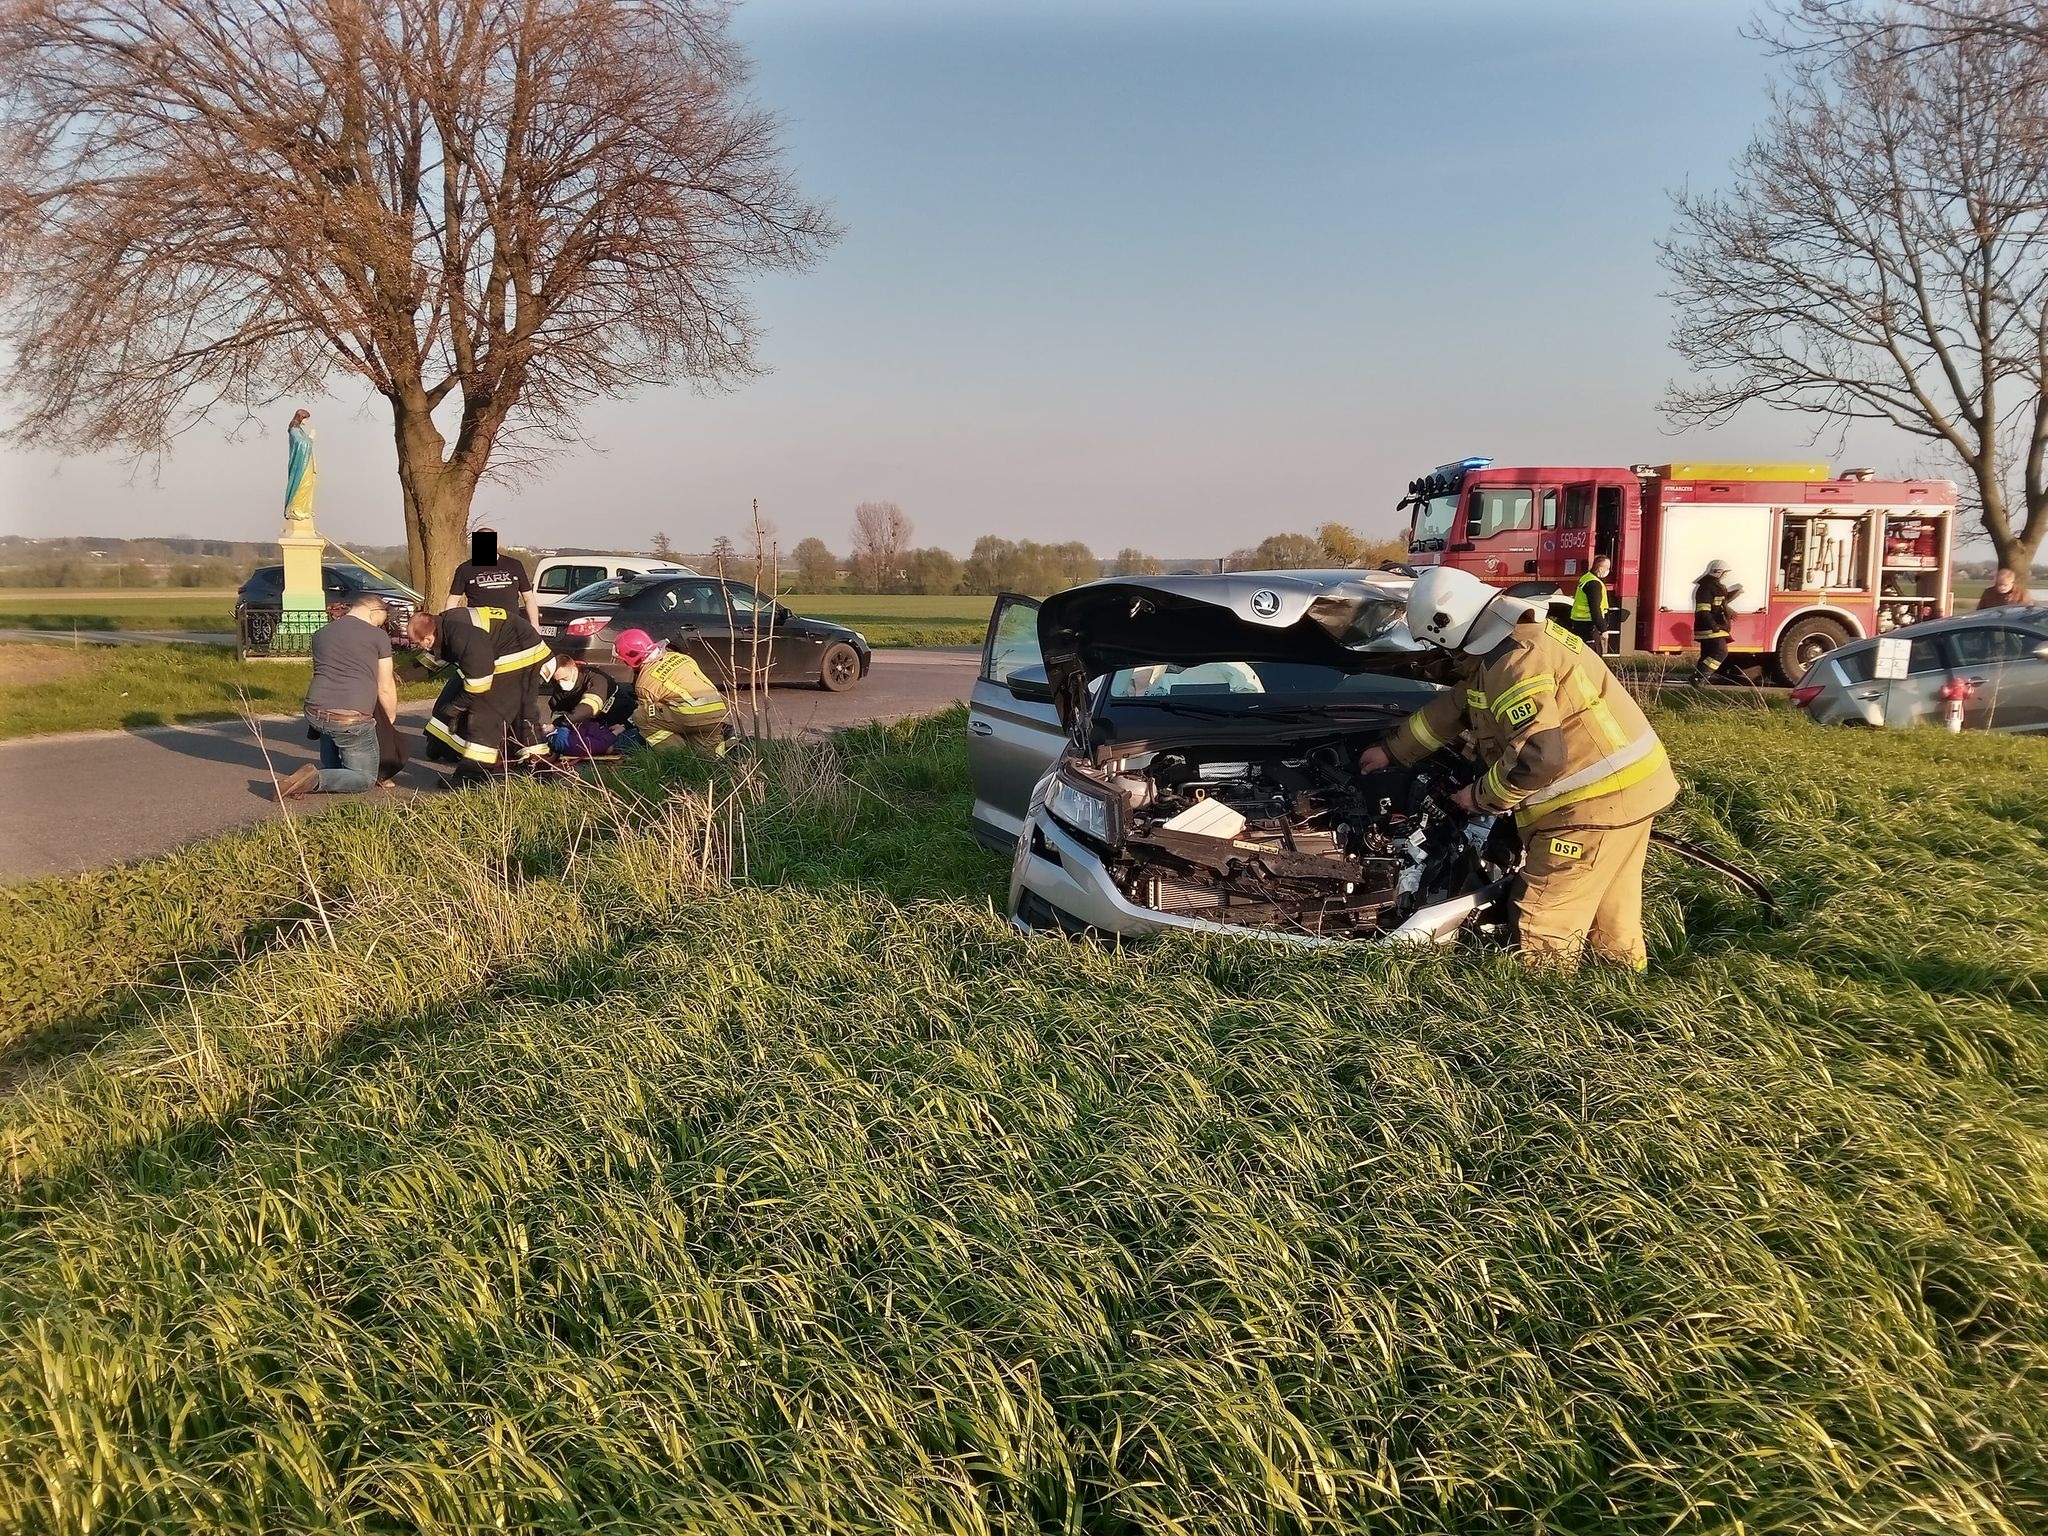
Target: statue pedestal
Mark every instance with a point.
(305, 594)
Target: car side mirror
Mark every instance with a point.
(783, 614)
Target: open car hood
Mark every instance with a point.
(1350, 620)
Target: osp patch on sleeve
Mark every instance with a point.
(1565, 848)
(1519, 714)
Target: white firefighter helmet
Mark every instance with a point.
(1456, 610)
(1716, 568)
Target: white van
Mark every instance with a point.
(559, 575)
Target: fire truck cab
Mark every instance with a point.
(1821, 560)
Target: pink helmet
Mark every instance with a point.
(634, 647)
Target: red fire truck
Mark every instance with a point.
(1821, 559)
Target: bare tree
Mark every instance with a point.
(488, 211)
(881, 535)
(1883, 252)
(663, 547)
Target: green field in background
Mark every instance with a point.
(45, 689)
(62, 609)
(885, 620)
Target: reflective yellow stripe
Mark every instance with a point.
(1474, 699)
(1527, 688)
(683, 707)
(1425, 738)
(655, 738)
(538, 749)
(530, 656)
(476, 684)
(594, 700)
(468, 749)
(1614, 783)
(1496, 788)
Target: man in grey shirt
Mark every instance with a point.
(353, 683)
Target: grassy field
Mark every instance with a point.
(891, 621)
(711, 1157)
(63, 609)
(45, 689)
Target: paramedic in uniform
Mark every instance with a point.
(1565, 750)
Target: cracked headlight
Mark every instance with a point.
(1087, 808)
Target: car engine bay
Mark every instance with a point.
(1289, 836)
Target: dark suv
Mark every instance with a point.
(260, 602)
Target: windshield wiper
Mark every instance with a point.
(1297, 712)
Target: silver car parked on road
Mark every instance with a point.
(1181, 752)
(2002, 653)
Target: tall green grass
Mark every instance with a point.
(710, 1156)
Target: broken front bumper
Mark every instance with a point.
(1057, 884)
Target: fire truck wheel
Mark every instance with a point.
(1804, 642)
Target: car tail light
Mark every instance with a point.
(1806, 693)
(582, 627)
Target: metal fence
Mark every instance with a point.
(267, 632)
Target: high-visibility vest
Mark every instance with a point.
(1583, 604)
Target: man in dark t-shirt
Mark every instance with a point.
(353, 686)
(502, 584)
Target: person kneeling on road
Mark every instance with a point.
(588, 708)
(353, 685)
(488, 715)
(677, 705)
(1565, 749)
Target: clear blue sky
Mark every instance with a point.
(1172, 273)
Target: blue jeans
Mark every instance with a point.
(348, 753)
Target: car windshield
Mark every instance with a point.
(1252, 687)
(1434, 520)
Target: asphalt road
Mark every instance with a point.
(77, 802)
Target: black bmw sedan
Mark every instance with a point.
(729, 628)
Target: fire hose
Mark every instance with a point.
(1734, 874)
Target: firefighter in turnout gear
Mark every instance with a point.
(1589, 606)
(678, 706)
(488, 716)
(1711, 595)
(588, 708)
(1566, 751)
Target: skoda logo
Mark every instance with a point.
(1265, 603)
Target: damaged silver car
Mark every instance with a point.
(1181, 751)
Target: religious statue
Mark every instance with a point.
(300, 475)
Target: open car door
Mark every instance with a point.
(1013, 731)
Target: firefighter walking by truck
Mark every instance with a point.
(1565, 750)
(1711, 595)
